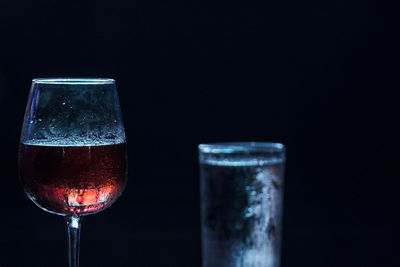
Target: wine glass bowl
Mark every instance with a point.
(72, 156)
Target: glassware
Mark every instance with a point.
(72, 156)
(241, 203)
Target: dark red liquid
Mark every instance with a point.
(73, 179)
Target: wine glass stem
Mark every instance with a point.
(74, 230)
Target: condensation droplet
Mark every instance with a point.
(248, 212)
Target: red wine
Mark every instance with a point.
(74, 180)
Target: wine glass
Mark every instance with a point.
(72, 155)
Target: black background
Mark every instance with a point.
(317, 76)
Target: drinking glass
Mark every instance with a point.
(241, 203)
(72, 155)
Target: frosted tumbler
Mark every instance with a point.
(241, 203)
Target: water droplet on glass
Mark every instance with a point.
(248, 212)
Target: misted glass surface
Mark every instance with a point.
(241, 203)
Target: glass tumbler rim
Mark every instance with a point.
(237, 147)
(72, 81)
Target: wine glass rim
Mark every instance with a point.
(233, 147)
(73, 81)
